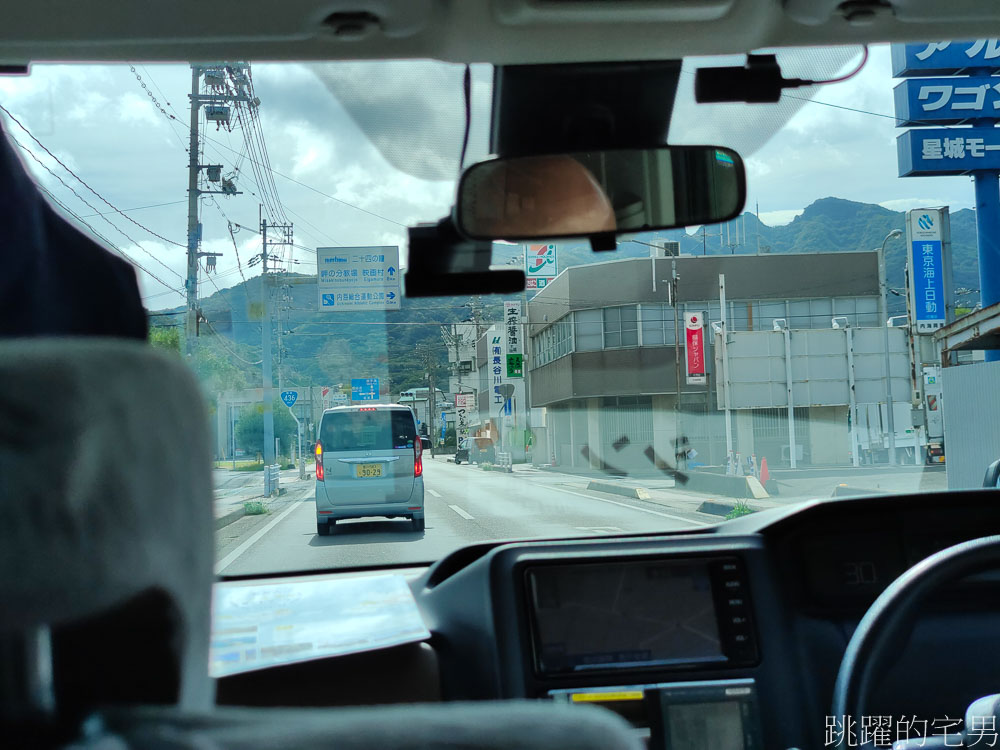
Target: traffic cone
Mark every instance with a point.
(765, 475)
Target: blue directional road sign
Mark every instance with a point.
(944, 58)
(946, 101)
(358, 278)
(289, 398)
(364, 389)
(943, 151)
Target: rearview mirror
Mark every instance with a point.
(596, 192)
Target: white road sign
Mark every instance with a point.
(358, 278)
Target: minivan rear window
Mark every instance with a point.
(368, 430)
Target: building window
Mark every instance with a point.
(621, 327)
(554, 342)
(589, 330)
(657, 325)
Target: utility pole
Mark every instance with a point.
(265, 351)
(884, 322)
(284, 237)
(222, 74)
(674, 279)
(191, 282)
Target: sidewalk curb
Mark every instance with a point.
(637, 493)
(721, 507)
(231, 517)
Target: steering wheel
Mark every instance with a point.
(886, 623)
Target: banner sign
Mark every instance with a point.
(944, 58)
(948, 151)
(513, 335)
(946, 101)
(462, 406)
(497, 368)
(926, 231)
(694, 327)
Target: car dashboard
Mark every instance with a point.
(726, 637)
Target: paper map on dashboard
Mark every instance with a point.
(262, 625)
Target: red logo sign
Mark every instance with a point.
(695, 351)
(694, 327)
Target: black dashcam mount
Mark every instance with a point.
(541, 110)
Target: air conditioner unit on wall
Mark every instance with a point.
(666, 249)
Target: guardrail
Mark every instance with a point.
(272, 474)
(505, 460)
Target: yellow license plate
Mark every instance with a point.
(369, 471)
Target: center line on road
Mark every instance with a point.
(435, 494)
(461, 512)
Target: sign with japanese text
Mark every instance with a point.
(496, 367)
(926, 231)
(289, 398)
(539, 265)
(512, 334)
(694, 328)
(944, 58)
(463, 404)
(357, 278)
(945, 151)
(946, 101)
(364, 389)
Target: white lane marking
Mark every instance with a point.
(632, 507)
(461, 512)
(598, 530)
(435, 494)
(229, 559)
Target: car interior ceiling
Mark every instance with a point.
(104, 629)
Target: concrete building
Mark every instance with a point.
(602, 358)
(461, 341)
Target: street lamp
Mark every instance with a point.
(884, 322)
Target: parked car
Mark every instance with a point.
(368, 463)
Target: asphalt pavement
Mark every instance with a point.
(463, 505)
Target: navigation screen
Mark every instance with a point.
(599, 616)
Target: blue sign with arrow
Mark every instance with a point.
(364, 389)
(289, 398)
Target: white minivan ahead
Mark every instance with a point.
(368, 463)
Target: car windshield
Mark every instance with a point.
(690, 376)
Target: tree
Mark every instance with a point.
(250, 428)
(166, 337)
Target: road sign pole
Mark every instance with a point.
(988, 233)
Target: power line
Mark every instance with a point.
(71, 212)
(320, 192)
(83, 182)
(91, 206)
(221, 339)
(137, 208)
(236, 249)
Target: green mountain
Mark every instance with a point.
(319, 348)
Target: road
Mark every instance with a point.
(462, 504)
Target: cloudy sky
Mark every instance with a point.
(365, 149)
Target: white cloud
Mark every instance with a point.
(780, 217)
(905, 204)
(133, 108)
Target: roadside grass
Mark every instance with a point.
(740, 508)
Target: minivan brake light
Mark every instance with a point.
(418, 458)
(319, 461)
